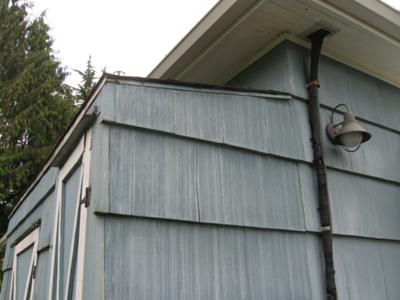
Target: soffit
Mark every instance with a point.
(366, 36)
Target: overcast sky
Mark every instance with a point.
(121, 35)
(131, 36)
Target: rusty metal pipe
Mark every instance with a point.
(319, 164)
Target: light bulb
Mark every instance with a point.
(351, 139)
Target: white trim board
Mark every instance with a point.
(357, 26)
(73, 160)
(28, 241)
(79, 157)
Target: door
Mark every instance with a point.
(70, 223)
(24, 264)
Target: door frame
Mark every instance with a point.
(29, 240)
(79, 156)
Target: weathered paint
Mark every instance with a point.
(240, 121)
(364, 206)
(41, 191)
(22, 272)
(93, 264)
(202, 193)
(283, 69)
(367, 269)
(237, 119)
(70, 196)
(39, 205)
(364, 186)
(175, 260)
(156, 175)
(42, 275)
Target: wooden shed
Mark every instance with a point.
(164, 189)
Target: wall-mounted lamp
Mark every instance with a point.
(348, 134)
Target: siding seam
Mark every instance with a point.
(339, 235)
(221, 90)
(368, 121)
(240, 148)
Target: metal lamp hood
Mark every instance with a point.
(349, 133)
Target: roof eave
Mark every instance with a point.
(385, 24)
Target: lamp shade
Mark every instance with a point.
(348, 134)
(351, 133)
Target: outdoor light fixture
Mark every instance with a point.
(348, 134)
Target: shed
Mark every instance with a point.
(164, 189)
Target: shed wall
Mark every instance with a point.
(38, 206)
(188, 187)
(193, 171)
(370, 98)
(201, 193)
(364, 186)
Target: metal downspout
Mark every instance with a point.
(323, 196)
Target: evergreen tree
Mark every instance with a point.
(87, 82)
(35, 103)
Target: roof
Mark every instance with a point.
(365, 35)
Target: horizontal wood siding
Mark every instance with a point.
(152, 175)
(235, 118)
(242, 153)
(370, 98)
(43, 212)
(364, 186)
(223, 159)
(160, 176)
(367, 269)
(38, 206)
(38, 194)
(364, 206)
(273, 70)
(149, 259)
(241, 188)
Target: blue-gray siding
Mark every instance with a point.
(237, 166)
(367, 269)
(210, 194)
(366, 197)
(283, 69)
(39, 205)
(241, 161)
(168, 177)
(196, 180)
(175, 260)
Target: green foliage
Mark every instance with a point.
(35, 103)
(87, 83)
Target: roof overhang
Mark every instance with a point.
(365, 35)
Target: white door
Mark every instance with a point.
(70, 222)
(24, 263)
